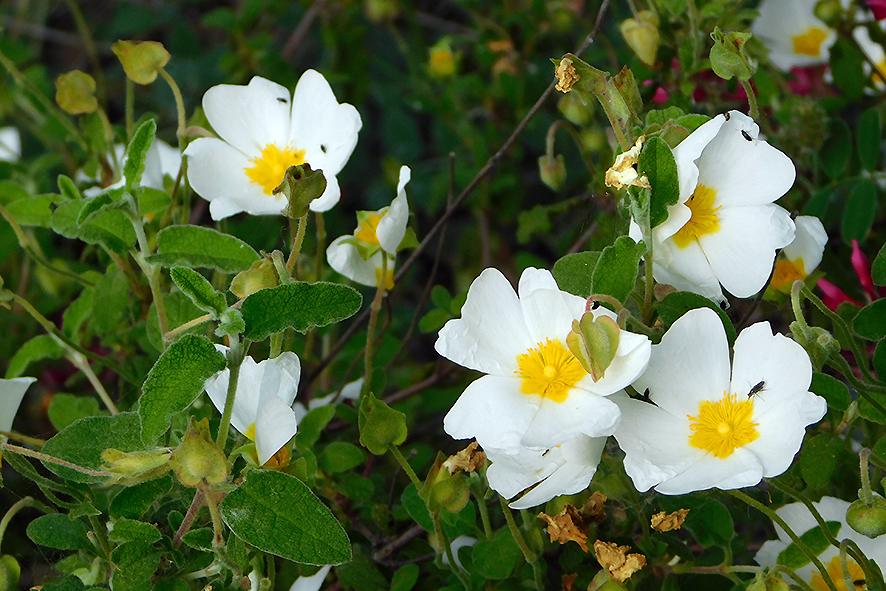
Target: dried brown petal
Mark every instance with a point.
(662, 522)
(569, 582)
(566, 75)
(623, 172)
(617, 561)
(593, 509)
(567, 525)
(468, 459)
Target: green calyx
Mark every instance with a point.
(594, 342)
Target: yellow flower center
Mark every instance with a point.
(704, 219)
(878, 76)
(280, 459)
(389, 278)
(268, 169)
(836, 572)
(549, 370)
(786, 272)
(250, 432)
(723, 426)
(809, 41)
(368, 229)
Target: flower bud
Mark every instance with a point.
(142, 60)
(198, 458)
(728, 58)
(260, 275)
(10, 572)
(451, 493)
(830, 12)
(868, 520)
(442, 61)
(818, 342)
(300, 186)
(133, 467)
(75, 93)
(552, 170)
(642, 35)
(379, 11)
(594, 342)
(574, 109)
(380, 425)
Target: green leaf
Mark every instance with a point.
(880, 358)
(831, 389)
(662, 116)
(310, 427)
(135, 563)
(496, 558)
(710, 523)
(869, 138)
(136, 153)
(859, 211)
(40, 347)
(417, 508)
(67, 188)
(130, 530)
(405, 578)
(836, 149)
(152, 200)
(114, 297)
(78, 312)
(179, 310)
(110, 228)
(11, 192)
(298, 305)
(95, 205)
(134, 501)
(340, 456)
(65, 409)
(657, 163)
(69, 583)
(201, 539)
(868, 411)
(819, 459)
(199, 290)
(574, 272)
(83, 442)
(56, 530)
(870, 322)
(847, 67)
(278, 513)
(675, 304)
(195, 246)
(794, 558)
(33, 211)
(361, 574)
(175, 381)
(617, 267)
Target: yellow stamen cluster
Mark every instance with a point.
(368, 229)
(704, 219)
(268, 169)
(809, 41)
(835, 570)
(723, 426)
(549, 370)
(786, 272)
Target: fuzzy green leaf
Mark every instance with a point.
(859, 211)
(195, 246)
(878, 268)
(94, 206)
(33, 211)
(617, 267)
(574, 272)
(135, 563)
(657, 163)
(67, 187)
(40, 347)
(110, 228)
(136, 153)
(130, 530)
(496, 558)
(57, 530)
(831, 389)
(65, 409)
(869, 138)
(678, 303)
(819, 459)
(201, 292)
(870, 322)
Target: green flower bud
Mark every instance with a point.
(75, 93)
(260, 275)
(451, 493)
(378, 11)
(574, 110)
(142, 60)
(198, 458)
(818, 342)
(868, 520)
(552, 170)
(642, 35)
(10, 572)
(136, 466)
(442, 61)
(300, 186)
(380, 425)
(728, 58)
(594, 343)
(830, 12)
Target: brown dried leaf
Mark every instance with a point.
(617, 561)
(567, 525)
(566, 75)
(468, 459)
(593, 509)
(569, 582)
(662, 522)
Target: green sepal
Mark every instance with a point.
(380, 425)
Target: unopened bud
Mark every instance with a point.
(380, 425)
(142, 60)
(728, 58)
(378, 11)
(574, 110)
(451, 493)
(442, 61)
(830, 12)
(75, 93)
(10, 572)
(642, 35)
(818, 342)
(594, 342)
(301, 185)
(198, 458)
(133, 467)
(552, 170)
(260, 275)
(868, 519)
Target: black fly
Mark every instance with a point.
(595, 305)
(726, 114)
(757, 388)
(746, 135)
(282, 100)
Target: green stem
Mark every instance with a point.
(276, 341)
(89, 45)
(179, 106)
(484, 510)
(129, 106)
(23, 451)
(370, 330)
(16, 507)
(83, 365)
(752, 99)
(102, 535)
(297, 238)
(16, 436)
(790, 491)
(196, 503)
(447, 549)
(406, 467)
(794, 537)
(871, 575)
(190, 324)
(235, 358)
(866, 495)
(321, 245)
(528, 554)
(218, 540)
(613, 121)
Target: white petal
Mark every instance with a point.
(290, 373)
(581, 413)
(249, 117)
(493, 410)
(744, 172)
(687, 269)
(780, 21)
(491, 332)
(533, 279)
(570, 478)
(275, 425)
(324, 129)
(690, 364)
(688, 152)
(810, 238)
(782, 429)
(742, 252)
(549, 313)
(10, 144)
(246, 399)
(346, 260)
(739, 470)
(217, 173)
(768, 553)
(513, 471)
(312, 583)
(631, 360)
(12, 392)
(392, 226)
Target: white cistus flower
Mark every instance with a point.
(536, 394)
(160, 161)
(360, 256)
(707, 426)
(264, 130)
(563, 470)
(798, 517)
(10, 144)
(312, 583)
(875, 53)
(800, 258)
(11, 394)
(351, 391)
(725, 228)
(263, 403)
(793, 34)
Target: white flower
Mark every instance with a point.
(800, 520)
(351, 391)
(10, 144)
(161, 160)
(707, 429)
(800, 258)
(793, 34)
(378, 236)
(874, 52)
(563, 470)
(11, 394)
(262, 135)
(263, 404)
(312, 583)
(724, 229)
(457, 544)
(536, 393)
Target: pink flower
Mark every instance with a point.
(834, 296)
(878, 7)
